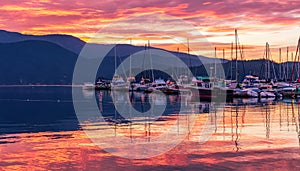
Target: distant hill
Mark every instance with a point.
(35, 62)
(50, 59)
(71, 43)
(258, 68)
(75, 45)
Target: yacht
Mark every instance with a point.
(102, 85)
(118, 83)
(172, 87)
(201, 87)
(143, 85)
(157, 85)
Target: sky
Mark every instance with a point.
(167, 24)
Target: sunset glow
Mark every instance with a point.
(258, 22)
(74, 149)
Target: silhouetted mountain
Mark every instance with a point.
(66, 41)
(254, 67)
(50, 59)
(35, 61)
(125, 50)
(106, 68)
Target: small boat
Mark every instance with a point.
(250, 80)
(88, 86)
(206, 89)
(157, 85)
(266, 94)
(172, 89)
(287, 91)
(143, 85)
(138, 87)
(102, 85)
(201, 87)
(246, 93)
(118, 83)
(183, 80)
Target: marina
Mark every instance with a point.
(149, 85)
(275, 83)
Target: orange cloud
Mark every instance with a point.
(215, 19)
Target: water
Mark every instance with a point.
(39, 131)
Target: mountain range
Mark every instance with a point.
(50, 59)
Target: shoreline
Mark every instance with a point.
(44, 85)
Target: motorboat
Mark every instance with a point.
(88, 86)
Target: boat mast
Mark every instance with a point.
(224, 62)
(280, 74)
(297, 55)
(265, 63)
(298, 47)
(242, 57)
(231, 57)
(215, 64)
(177, 68)
(236, 55)
(292, 72)
(271, 75)
(295, 60)
(115, 58)
(287, 63)
(188, 52)
(268, 59)
(130, 72)
(152, 72)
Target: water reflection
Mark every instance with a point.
(247, 134)
(36, 109)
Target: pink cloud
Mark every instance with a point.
(215, 17)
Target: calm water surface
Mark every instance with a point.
(39, 131)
